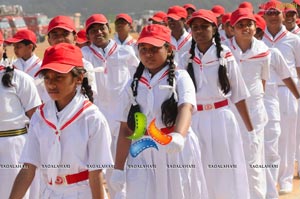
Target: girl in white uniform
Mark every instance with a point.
(253, 58)
(214, 123)
(114, 65)
(276, 36)
(24, 42)
(69, 138)
(167, 98)
(278, 71)
(20, 99)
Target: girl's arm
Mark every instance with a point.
(23, 181)
(123, 146)
(184, 117)
(96, 184)
(289, 82)
(243, 111)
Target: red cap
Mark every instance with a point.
(95, 18)
(159, 16)
(1, 38)
(124, 16)
(23, 35)
(276, 5)
(218, 10)
(207, 15)
(63, 22)
(61, 58)
(246, 4)
(226, 18)
(260, 22)
(155, 34)
(81, 37)
(189, 5)
(290, 7)
(239, 14)
(297, 2)
(177, 12)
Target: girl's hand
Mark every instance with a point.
(177, 143)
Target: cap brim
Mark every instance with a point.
(250, 18)
(99, 22)
(173, 16)
(13, 40)
(151, 40)
(62, 27)
(57, 67)
(157, 19)
(81, 41)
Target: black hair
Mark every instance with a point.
(86, 89)
(222, 72)
(7, 77)
(28, 42)
(168, 107)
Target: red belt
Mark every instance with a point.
(201, 107)
(166, 130)
(72, 178)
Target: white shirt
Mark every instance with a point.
(16, 100)
(113, 66)
(150, 97)
(207, 79)
(296, 30)
(30, 66)
(84, 144)
(288, 44)
(181, 45)
(254, 65)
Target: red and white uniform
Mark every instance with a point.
(217, 129)
(182, 45)
(296, 30)
(113, 67)
(128, 42)
(31, 66)
(288, 44)
(82, 142)
(278, 70)
(163, 182)
(16, 100)
(255, 67)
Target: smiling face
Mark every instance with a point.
(290, 19)
(244, 29)
(154, 58)
(61, 87)
(98, 34)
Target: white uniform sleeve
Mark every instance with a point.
(185, 89)
(239, 89)
(26, 90)
(124, 104)
(296, 51)
(99, 152)
(279, 64)
(265, 73)
(31, 150)
(132, 61)
(183, 61)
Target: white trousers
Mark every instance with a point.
(272, 158)
(287, 139)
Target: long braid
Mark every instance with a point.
(169, 107)
(86, 89)
(222, 72)
(135, 107)
(190, 68)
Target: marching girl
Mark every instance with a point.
(69, 138)
(114, 65)
(24, 42)
(217, 80)
(166, 97)
(20, 99)
(253, 58)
